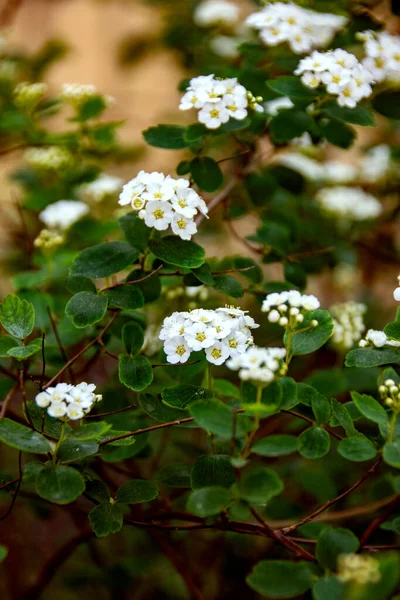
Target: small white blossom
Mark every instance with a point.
(62, 214)
(214, 12)
(348, 324)
(360, 569)
(258, 364)
(382, 52)
(348, 204)
(280, 307)
(105, 186)
(65, 399)
(378, 339)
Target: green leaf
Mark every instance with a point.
(311, 340)
(372, 357)
(274, 236)
(225, 388)
(339, 134)
(370, 408)
(357, 448)
(175, 251)
(135, 231)
(259, 485)
(217, 417)
(176, 475)
(255, 274)
(17, 316)
(60, 485)
(132, 337)
(206, 173)
(204, 274)
(85, 309)
(154, 407)
(275, 445)
(90, 431)
(313, 443)
(357, 116)
(72, 449)
(289, 124)
(136, 491)
(212, 470)
(106, 518)
(293, 88)
(80, 283)
(392, 330)
(208, 501)
(24, 352)
(391, 454)
(6, 343)
(228, 285)
(31, 470)
(289, 393)
(104, 259)
(388, 104)
(22, 438)
(280, 578)
(195, 132)
(181, 396)
(328, 588)
(125, 296)
(91, 108)
(3, 553)
(343, 417)
(321, 408)
(135, 372)
(171, 137)
(332, 542)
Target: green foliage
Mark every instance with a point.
(206, 173)
(370, 408)
(313, 443)
(58, 484)
(135, 372)
(166, 136)
(208, 501)
(275, 445)
(357, 448)
(132, 337)
(136, 491)
(17, 316)
(391, 454)
(105, 519)
(104, 260)
(387, 104)
(216, 417)
(22, 438)
(332, 543)
(305, 342)
(258, 486)
(372, 357)
(178, 252)
(280, 578)
(212, 470)
(85, 309)
(182, 396)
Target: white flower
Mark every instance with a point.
(105, 186)
(186, 202)
(348, 204)
(159, 192)
(217, 354)
(63, 214)
(183, 226)
(348, 324)
(274, 106)
(177, 350)
(57, 409)
(288, 308)
(382, 55)
(75, 411)
(43, 399)
(375, 164)
(258, 364)
(212, 12)
(396, 294)
(77, 93)
(225, 46)
(158, 215)
(200, 335)
(359, 569)
(236, 342)
(378, 339)
(193, 99)
(200, 315)
(236, 106)
(213, 115)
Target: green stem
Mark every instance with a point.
(392, 425)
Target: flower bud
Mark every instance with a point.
(283, 321)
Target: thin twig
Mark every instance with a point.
(24, 400)
(328, 504)
(7, 400)
(135, 281)
(15, 495)
(63, 352)
(145, 430)
(300, 416)
(111, 412)
(219, 198)
(379, 520)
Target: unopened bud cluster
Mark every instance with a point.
(67, 400)
(48, 239)
(53, 158)
(390, 394)
(194, 293)
(358, 568)
(27, 95)
(79, 93)
(288, 308)
(260, 365)
(348, 323)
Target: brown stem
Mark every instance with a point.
(328, 504)
(111, 412)
(135, 281)
(219, 198)
(59, 344)
(8, 400)
(300, 416)
(138, 431)
(82, 351)
(379, 520)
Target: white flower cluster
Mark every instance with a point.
(222, 333)
(348, 203)
(376, 163)
(288, 308)
(214, 12)
(301, 28)
(382, 55)
(258, 364)
(378, 339)
(390, 394)
(218, 100)
(163, 201)
(48, 239)
(331, 171)
(52, 158)
(66, 400)
(62, 214)
(104, 186)
(342, 74)
(358, 568)
(348, 323)
(396, 293)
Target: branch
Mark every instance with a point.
(138, 431)
(219, 198)
(135, 281)
(328, 504)
(379, 520)
(300, 416)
